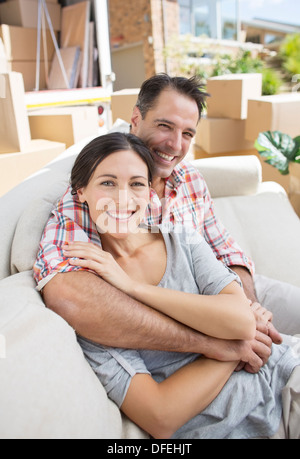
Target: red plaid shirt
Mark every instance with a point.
(187, 201)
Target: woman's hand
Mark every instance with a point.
(264, 319)
(91, 256)
(261, 313)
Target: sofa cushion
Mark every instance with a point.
(28, 234)
(267, 228)
(48, 390)
(48, 183)
(231, 175)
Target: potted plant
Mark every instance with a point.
(283, 152)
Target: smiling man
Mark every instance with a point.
(165, 118)
(167, 132)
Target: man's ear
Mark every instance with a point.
(135, 119)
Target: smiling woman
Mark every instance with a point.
(116, 202)
(99, 149)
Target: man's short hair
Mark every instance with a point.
(189, 87)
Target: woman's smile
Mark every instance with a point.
(120, 215)
(117, 197)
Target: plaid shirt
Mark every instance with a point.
(187, 201)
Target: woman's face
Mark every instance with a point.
(118, 193)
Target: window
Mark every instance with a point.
(229, 19)
(195, 17)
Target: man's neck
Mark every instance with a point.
(158, 184)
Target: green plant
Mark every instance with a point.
(290, 53)
(278, 149)
(244, 63)
(271, 82)
(182, 53)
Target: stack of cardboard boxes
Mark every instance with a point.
(20, 156)
(22, 152)
(236, 114)
(223, 129)
(19, 19)
(71, 24)
(277, 113)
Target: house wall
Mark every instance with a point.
(146, 21)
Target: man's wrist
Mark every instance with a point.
(247, 281)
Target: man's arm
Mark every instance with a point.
(100, 312)
(247, 281)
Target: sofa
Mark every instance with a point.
(47, 389)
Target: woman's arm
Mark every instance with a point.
(225, 316)
(162, 408)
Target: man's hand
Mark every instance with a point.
(266, 335)
(252, 355)
(261, 346)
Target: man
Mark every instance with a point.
(165, 117)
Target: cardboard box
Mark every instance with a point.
(229, 94)
(273, 113)
(47, 1)
(16, 167)
(75, 32)
(222, 135)
(122, 104)
(21, 43)
(71, 58)
(28, 71)
(3, 59)
(14, 126)
(24, 13)
(294, 186)
(67, 125)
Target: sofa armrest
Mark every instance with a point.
(231, 175)
(48, 390)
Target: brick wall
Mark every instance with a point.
(142, 21)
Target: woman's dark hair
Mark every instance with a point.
(189, 87)
(100, 148)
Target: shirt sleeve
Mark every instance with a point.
(114, 367)
(222, 243)
(211, 275)
(50, 258)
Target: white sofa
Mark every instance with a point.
(47, 390)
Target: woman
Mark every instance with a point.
(168, 394)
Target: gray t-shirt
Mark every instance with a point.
(248, 405)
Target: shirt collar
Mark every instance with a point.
(177, 177)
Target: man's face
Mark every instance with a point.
(168, 129)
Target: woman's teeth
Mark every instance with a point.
(120, 215)
(164, 156)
